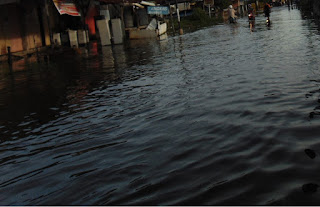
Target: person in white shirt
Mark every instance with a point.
(232, 15)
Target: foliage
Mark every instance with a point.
(198, 19)
(199, 14)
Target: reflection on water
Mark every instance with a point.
(221, 116)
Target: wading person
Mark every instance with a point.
(267, 10)
(232, 15)
(250, 13)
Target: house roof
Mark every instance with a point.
(163, 2)
(2, 2)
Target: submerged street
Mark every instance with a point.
(220, 116)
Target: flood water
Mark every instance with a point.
(220, 116)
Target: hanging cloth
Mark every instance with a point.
(66, 7)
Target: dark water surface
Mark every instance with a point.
(220, 116)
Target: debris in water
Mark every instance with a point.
(310, 153)
(310, 188)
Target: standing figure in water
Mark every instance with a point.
(232, 15)
(267, 10)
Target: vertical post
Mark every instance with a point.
(48, 21)
(86, 31)
(209, 11)
(83, 12)
(85, 25)
(137, 17)
(37, 52)
(157, 23)
(122, 20)
(171, 19)
(41, 25)
(9, 59)
(178, 15)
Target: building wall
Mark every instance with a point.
(46, 21)
(20, 26)
(32, 30)
(10, 33)
(32, 13)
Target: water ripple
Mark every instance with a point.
(221, 116)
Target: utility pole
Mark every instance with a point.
(48, 21)
(171, 20)
(84, 7)
(178, 15)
